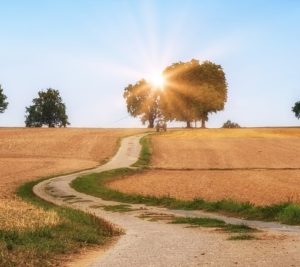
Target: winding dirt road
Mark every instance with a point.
(157, 243)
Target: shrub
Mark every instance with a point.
(230, 124)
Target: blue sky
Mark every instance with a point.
(91, 50)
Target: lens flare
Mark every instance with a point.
(157, 80)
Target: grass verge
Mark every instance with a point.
(94, 184)
(241, 231)
(242, 237)
(47, 245)
(145, 154)
(214, 223)
(114, 208)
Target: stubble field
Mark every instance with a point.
(28, 154)
(261, 166)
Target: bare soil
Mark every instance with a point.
(27, 154)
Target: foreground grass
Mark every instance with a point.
(94, 184)
(48, 245)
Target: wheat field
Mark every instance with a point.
(261, 166)
(29, 154)
(227, 148)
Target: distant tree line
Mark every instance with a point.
(192, 91)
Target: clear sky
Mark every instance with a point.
(91, 50)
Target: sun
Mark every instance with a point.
(157, 80)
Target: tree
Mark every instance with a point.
(142, 101)
(3, 102)
(296, 109)
(193, 90)
(230, 124)
(176, 100)
(47, 109)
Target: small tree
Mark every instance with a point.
(47, 109)
(142, 101)
(3, 102)
(230, 124)
(296, 109)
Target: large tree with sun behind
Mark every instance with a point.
(186, 91)
(192, 90)
(142, 101)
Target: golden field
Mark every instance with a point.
(257, 187)
(28, 154)
(261, 166)
(18, 215)
(227, 148)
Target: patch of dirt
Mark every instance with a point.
(225, 148)
(257, 187)
(87, 256)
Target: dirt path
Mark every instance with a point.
(148, 243)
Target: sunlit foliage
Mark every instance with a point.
(142, 101)
(193, 90)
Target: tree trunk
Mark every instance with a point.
(188, 124)
(203, 123)
(151, 124)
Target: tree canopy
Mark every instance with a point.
(142, 101)
(192, 90)
(3, 102)
(47, 109)
(296, 109)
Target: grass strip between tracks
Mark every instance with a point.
(145, 154)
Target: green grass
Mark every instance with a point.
(114, 208)
(46, 246)
(290, 214)
(118, 208)
(242, 237)
(145, 154)
(214, 223)
(94, 184)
